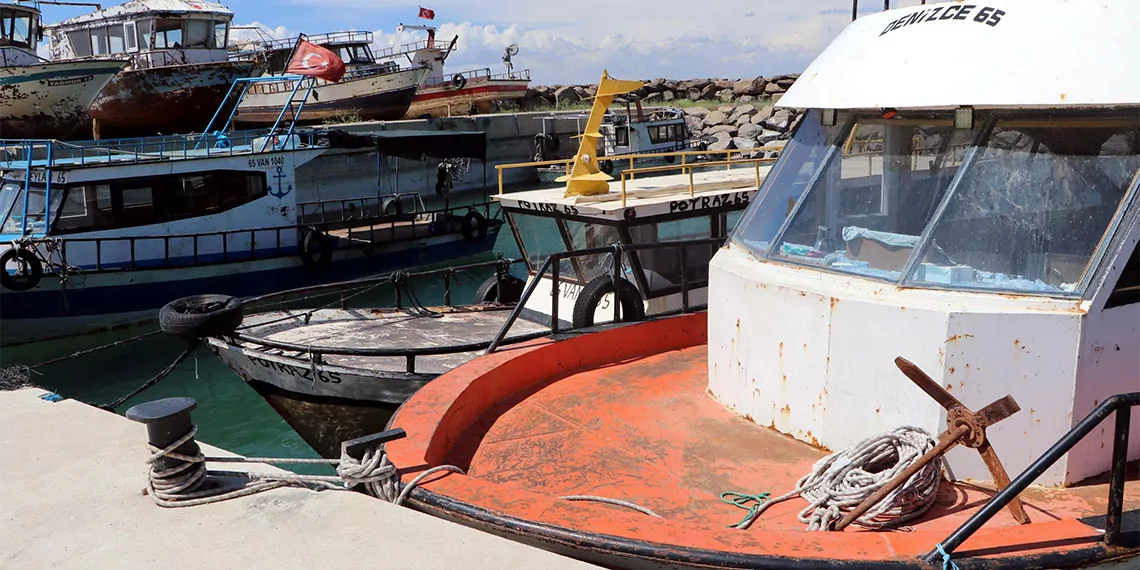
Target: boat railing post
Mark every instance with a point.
(622, 189)
(617, 260)
(411, 363)
(692, 189)
(98, 254)
(555, 275)
(500, 169)
(1116, 479)
(631, 174)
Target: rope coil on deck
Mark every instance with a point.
(841, 481)
(188, 485)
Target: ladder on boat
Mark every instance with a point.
(286, 119)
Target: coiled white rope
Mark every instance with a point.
(842, 481)
(186, 485)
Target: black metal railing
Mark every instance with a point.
(553, 265)
(1122, 405)
(201, 249)
(348, 289)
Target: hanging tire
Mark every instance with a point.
(607, 166)
(393, 207)
(488, 292)
(632, 304)
(670, 159)
(315, 249)
(201, 316)
(33, 270)
(458, 81)
(474, 226)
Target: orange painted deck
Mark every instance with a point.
(624, 414)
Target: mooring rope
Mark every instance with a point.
(841, 481)
(186, 485)
(19, 375)
(154, 380)
(610, 501)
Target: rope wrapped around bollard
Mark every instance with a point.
(178, 477)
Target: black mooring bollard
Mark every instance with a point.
(167, 421)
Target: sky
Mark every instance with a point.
(565, 42)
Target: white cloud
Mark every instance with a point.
(563, 42)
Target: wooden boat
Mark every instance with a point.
(665, 230)
(43, 99)
(932, 240)
(179, 73)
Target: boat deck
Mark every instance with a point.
(641, 427)
(385, 329)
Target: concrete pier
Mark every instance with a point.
(72, 498)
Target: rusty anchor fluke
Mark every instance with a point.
(964, 427)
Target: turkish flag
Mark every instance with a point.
(427, 14)
(314, 60)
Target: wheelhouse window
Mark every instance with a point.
(221, 34)
(80, 41)
(99, 44)
(662, 267)
(117, 38)
(168, 34)
(1022, 207)
(621, 135)
(1127, 289)
(130, 32)
(20, 221)
(17, 28)
(136, 202)
(198, 34)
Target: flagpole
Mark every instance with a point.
(296, 45)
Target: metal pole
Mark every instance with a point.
(886, 5)
(1116, 480)
(854, 10)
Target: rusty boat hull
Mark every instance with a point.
(50, 100)
(165, 100)
(482, 93)
(624, 414)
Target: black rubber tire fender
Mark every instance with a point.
(632, 304)
(27, 281)
(670, 159)
(200, 316)
(607, 166)
(315, 249)
(488, 292)
(459, 81)
(474, 226)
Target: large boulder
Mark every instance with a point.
(695, 124)
(741, 111)
(773, 88)
(720, 129)
(654, 85)
(745, 99)
(748, 130)
(786, 83)
(754, 86)
(566, 95)
(725, 95)
(762, 115)
(708, 93)
(667, 95)
(652, 99)
(724, 84)
(698, 84)
(781, 120)
(744, 142)
(671, 84)
(715, 118)
(693, 94)
(697, 112)
(721, 141)
(766, 136)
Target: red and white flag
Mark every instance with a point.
(316, 61)
(427, 14)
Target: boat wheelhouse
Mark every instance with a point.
(100, 234)
(940, 249)
(640, 246)
(374, 88)
(40, 98)
(468, 92)
(179, 70)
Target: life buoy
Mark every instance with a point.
(459, 81)
(488, 292)
(474, 226)
(607, 166)
(28, 273)
(670, 159)
(201, 316)
(315, 250)
(632, 304)
(393, 207)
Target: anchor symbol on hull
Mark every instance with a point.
(280, 176)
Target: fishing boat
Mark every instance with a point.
(921, 343)
(40, 98)
(634, 247)
(178, 74)
(374, 87)
(468, 92)
(628, 140)
(101, 234)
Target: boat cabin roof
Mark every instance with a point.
(644, 197)
(149, 8)
(985, 55)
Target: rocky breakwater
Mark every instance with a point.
(724, 113)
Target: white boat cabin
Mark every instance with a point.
(20, 31)
(972, 210)
(154, 33)
(663, 130)
(354, 48)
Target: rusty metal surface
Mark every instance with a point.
(165, 100)
(50, 100)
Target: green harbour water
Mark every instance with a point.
(230, 414)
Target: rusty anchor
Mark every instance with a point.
(964, 427)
